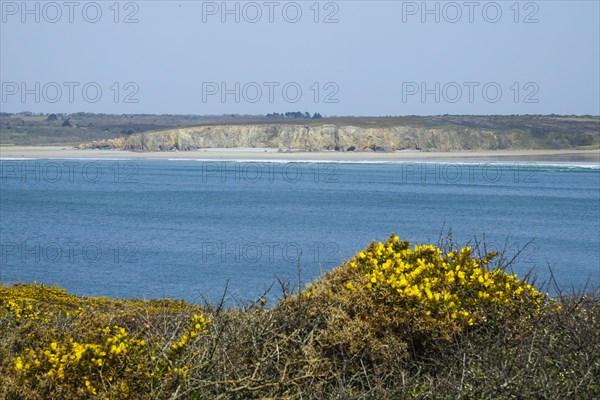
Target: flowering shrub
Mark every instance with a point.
(197, 326)
(395, 321)
(39, 302)
(100, 365)
(87, 357)
(455, 286)
(393, 302)
(86, 365)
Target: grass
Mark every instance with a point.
(395, 321)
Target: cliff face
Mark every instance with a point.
(323, 137)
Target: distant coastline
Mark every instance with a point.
(147, 133)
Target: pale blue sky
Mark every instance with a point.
(375, 60)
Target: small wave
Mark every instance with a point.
(552, 166)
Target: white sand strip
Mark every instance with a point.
(253, 154)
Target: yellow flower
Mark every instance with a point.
(89, 387)
(432, 280)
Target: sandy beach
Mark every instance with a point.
(253, 154)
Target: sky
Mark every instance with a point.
(357, 58)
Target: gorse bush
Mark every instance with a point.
(393, 302)
(395, 320)
(72, 350)
(85, 365)
(455, 289)
(106, 363)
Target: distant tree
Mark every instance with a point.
(66, 123)
(52, 117)
(293, 114)
(317, 116)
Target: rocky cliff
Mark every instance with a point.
(341, 138)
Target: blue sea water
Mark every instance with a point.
(189, 228)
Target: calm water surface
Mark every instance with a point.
(184, 228)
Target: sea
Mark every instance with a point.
(201, 230)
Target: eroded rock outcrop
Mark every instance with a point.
(319, 138)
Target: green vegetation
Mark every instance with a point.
(71, 129)
(394, 321)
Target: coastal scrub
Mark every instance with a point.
(397, 320)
